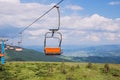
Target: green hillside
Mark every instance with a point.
(29, 55)
(59, 71)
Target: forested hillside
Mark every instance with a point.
(29, 55)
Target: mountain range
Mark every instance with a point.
(30, 55)
(86, 51)
(96, 54)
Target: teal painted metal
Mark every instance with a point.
(3, 51)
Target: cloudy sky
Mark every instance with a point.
(83, 22)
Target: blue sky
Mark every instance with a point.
(83, 22)
(101, 7)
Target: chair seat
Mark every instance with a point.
(18, 49)
(11, 48)
(52, 51)
(1, 55)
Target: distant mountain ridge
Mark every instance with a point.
(85, 51)
(94, 59)
(96, 54)
(30, 55)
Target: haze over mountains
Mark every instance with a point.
(99, 54)
(96, 54)
(85, 51)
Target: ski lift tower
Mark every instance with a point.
(2, 49)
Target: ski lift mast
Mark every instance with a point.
(2, 50)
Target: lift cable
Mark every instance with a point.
(55, 6)
(41, 17)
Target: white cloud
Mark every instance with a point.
(111, 36)
(10, 1)
(36, 32)
(94, 22)
(93, 38)
(32, 37)
(74, 28)
(74, 7)
(21, 15)
(94, 28)
(114, 3)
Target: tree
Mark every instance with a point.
(63, 68)
(106, 68)
(89, 65)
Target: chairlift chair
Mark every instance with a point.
(8, 46)
(18, 48)
(11, 47)
(52, 50)
(52, 32)
(1, 55)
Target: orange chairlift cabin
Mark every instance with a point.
(51, 50)
(0, 52)
(53, 34)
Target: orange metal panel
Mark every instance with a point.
(1, 55)
(52, 50)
